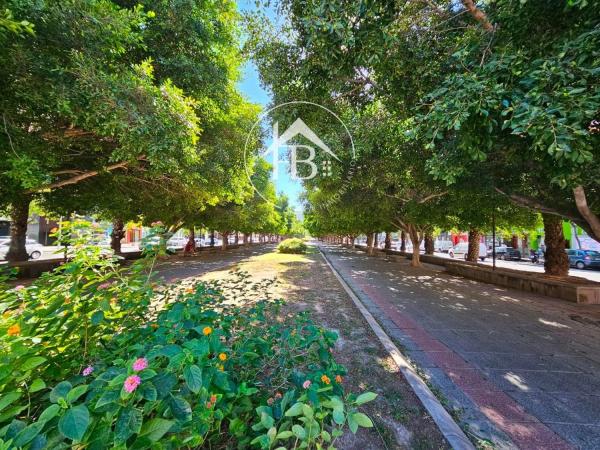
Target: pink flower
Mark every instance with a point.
(140, 364)
(270, 401)
(306, 384)
(131, 383)
(158, 223)
(20, 287)
(88, 371)
(104, 285)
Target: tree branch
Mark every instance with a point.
(81, 176)
(582, 206)
(478, 15)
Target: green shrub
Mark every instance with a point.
(97, 357)
(293, 245)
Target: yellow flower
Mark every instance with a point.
(189, 290)
(325, 379)
(207, 331)
(14, 330)
(6, 314)
(222, 356)
(221, 367)
(338, 379)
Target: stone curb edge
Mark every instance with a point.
(446, 424)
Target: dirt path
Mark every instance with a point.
(306, 283)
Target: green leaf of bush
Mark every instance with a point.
(295, 410)
(32, 363)
(8, 399)
(362, 420)
(193, 378)
(156, 428)
(60, 391)
(298, 431)
(366, 397)
(74, 422)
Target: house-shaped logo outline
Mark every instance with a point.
(298, 127)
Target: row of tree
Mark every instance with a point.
(462, 113)
(127, 110)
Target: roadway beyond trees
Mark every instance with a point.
(516, 366)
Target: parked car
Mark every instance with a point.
(33, 247)
(583, 259)
(507, 253)
(176, 243)
(443, 245)
(462, 249)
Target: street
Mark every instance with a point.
(590, 274)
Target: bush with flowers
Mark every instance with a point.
(96, 356)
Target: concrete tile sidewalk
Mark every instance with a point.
(525, 369)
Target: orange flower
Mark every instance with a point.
(338, 379)
(154, 325)
(54, 230)
(207, 331)
(213, 398)
(14, 330)
(222, 356)
(189, 290)
(325, 379)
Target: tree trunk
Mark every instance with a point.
(376, 240)
(245, 239)
(429, 243)
(525, 246)
(473, 252)
(370, 244)
(514, 242)
(118, 233)
(556, 261)
(237, 238)
(191, 243)
(224, 239)
(415, 239)
(388, 240)
(212, 238)
(402, 241)
(19, 213)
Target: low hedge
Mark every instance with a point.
(293, 245)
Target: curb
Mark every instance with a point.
(446, 424)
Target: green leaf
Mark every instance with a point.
(284, 435)
(49, 413)
(32, 363)
(193, 378)
(28, 434)
(60, 391)
(307, 411)
(76, 392)
(97, 317)
(181, 409)
(295, 410)
(107, 397)
(128, 423)
(298, 431)
(37, 385)
(366, 397)
(362, 420)
(75, 422)
(8, 399)
(148, 392)
(156, 428)
(338, 416)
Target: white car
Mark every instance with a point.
(33, 247)
(176, 243)
(443, 245)
(462, 248)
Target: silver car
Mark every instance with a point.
(33, 247)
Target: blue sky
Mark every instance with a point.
(250, 86)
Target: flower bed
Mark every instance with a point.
(98, 356)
